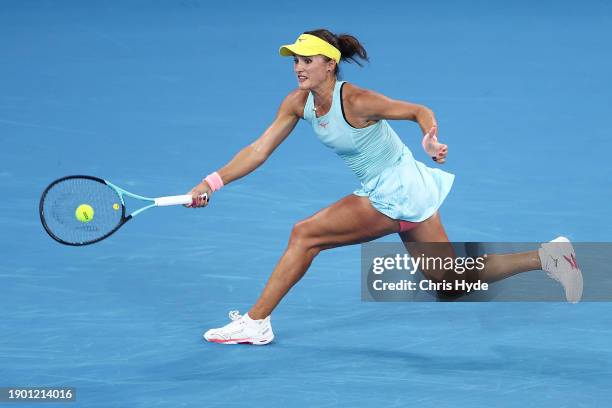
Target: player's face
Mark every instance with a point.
(312, 71)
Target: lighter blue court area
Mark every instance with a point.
(154, 95)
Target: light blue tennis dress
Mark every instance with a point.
(396, 184)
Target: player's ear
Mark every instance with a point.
(331, 65)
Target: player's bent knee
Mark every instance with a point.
(301, 235)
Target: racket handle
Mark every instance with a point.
(176, 200)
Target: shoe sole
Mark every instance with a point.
(241, 341)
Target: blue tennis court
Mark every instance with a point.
(154, 95)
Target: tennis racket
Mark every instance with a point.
(82, 210)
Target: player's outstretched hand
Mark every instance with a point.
(201, 195)
(437, 151)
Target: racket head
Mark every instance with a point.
(63, 197)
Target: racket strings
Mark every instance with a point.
(102, 215)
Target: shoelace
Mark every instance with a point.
(234, 315)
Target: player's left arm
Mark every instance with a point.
(372, 105)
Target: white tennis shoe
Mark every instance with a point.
(559, 262)
(242, 330)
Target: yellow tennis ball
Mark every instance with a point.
(84, 213)
(116, 207)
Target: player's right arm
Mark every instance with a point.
(255, 154)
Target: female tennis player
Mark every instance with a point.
(398, 194)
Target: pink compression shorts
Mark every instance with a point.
(407, 225)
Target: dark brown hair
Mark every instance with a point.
(349, 46)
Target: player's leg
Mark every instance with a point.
(558, 258)
(349, 221)
(418, 242)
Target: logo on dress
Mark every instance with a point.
(323, 124)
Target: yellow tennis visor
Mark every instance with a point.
(309, 45)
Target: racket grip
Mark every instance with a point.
(174, 200)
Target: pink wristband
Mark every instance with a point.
(214, 181)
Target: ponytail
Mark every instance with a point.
(350, 46)
(351, 50)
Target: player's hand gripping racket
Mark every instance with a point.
(81, 210)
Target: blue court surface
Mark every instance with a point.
(154, 95)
